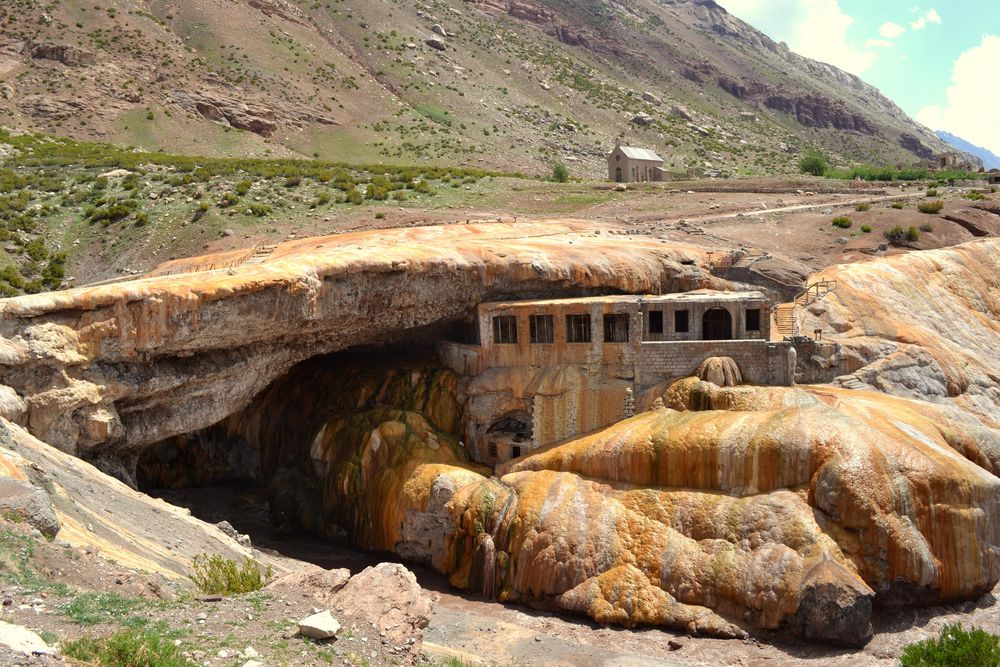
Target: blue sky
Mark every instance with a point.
(938, 60)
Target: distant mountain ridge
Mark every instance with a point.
(990, 159)
(503, 84)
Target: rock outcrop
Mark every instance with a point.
(114, 368)
(719, 511)
(924, 325)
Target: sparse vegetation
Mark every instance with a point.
(897, 235)
(862, 206)
(842, 221)
(215, 575)
(127, 648)
(813, 162)
(926, 227)
(866, 229)
(975, 196)
(954, 646)
(930, 206)
(898, 205)
(932, 192)
(560, 174)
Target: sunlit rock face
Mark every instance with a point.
(924, 324)
(119, 367)
(721, 511)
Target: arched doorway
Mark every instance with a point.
(716, 324)
(618, 175)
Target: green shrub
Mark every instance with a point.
(930, 206)
(228, 199)
(912, 234)
(842, 221)
(813, 162)
(127, 648)
(380, 216)
(293, 181)
(354, 196)
(975, 196)
(399, 195)
(866, 228)
(862, 206)
(260, 210)
(954, 646)
(560, 174)
(897, 204)
(895, 235)
(243, 186)
(215, 575)
(932, 192)
(927, 228)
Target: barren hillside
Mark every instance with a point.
(506, 84)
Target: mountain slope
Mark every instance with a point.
(990, 159)
(508, 84)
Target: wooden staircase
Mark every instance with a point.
(261, 253)
(786, 315)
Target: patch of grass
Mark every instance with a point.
(16, 551)
(842, 221)
(930, 206)
(94, 608)
(897, 205)
(866, 229)
(932, 192)
(975, 196)
(434, 113)
(215, 575)
(862, 206)
(954, 646)
(127, 648)
(927, 228)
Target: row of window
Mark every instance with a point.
(541, 328)
(616, 326)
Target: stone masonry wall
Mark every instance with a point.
(761, 362)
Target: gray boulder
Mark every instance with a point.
(27, 501)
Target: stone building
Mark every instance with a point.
(546, 370)
(628, 164)
(957, 160)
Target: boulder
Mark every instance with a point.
(389, 596)
(22, 640)
(436, 43)
(835, 606)
(26, 500)
(319, 584)
(12, 408)
(438, 30)
(721, 371)
(642, 119)
(680, 112)
(651, 98)
(319, 626)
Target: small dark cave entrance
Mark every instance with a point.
(219, 476)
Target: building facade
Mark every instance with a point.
(628, 164)
(547, 370)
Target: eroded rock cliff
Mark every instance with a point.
(118, 367)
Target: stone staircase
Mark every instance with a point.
(786, 315)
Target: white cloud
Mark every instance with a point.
(813, 28)
(971, 101)
(891, 30)
(882, 43)
(930, 17)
